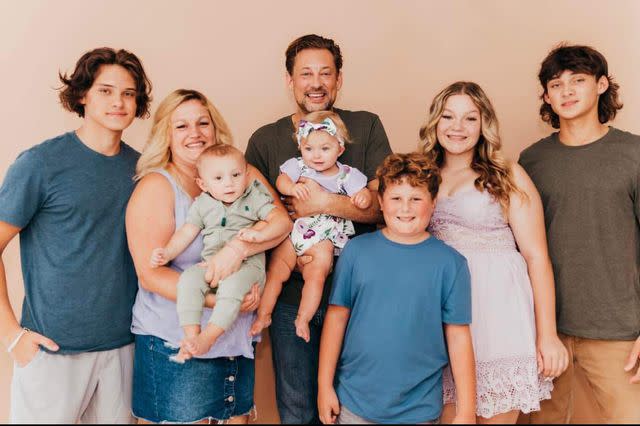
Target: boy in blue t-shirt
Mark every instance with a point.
(400, 299)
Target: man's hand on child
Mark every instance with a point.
(328, 405)
(317, 202)
(362, 199)
(159, 257)
(250, 235)
(300, 191)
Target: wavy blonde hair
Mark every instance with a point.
(488, 162)
(156, 153)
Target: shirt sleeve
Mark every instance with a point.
(355, 182)
(291, 168)
(341, 289)
(456, 306)
(194, 216)
(261, 200)
(23, 191)
(377, 149)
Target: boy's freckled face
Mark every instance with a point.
(224, 178)
(407, 209)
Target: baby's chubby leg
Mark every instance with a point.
(191, 292)
(281, 263)
(314, 273)
(229, 296)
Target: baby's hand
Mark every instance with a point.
(300, 191)
(159, 257)
(362, 199)
(251, 236)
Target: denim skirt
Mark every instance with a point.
(165, 391)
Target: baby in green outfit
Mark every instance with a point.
(229, 206)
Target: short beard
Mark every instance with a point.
(327, 107)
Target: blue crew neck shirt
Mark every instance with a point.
(394, 350)
(79, 278)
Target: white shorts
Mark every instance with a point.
(90, 387)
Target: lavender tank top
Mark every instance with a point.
(156, 316)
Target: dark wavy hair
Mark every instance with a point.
(416, 168)
(312, 41)
(75, 86)
(579, 59)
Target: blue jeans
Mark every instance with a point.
(295, 365)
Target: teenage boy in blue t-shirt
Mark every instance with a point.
(66, 197)
(400, 298)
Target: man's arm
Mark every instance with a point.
(25, 346)
(335, 324)
(321, 201)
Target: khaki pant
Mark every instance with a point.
(91, 387)
(602, 363)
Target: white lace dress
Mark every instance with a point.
(503, 321)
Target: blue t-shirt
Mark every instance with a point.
(390, 367)
(79, 279)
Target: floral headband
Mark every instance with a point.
(306, 127)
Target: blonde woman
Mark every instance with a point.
(219, 384)
(489, 210)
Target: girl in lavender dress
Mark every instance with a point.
(321, 138)
(490, 211)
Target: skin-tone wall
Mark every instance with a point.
(397, 56)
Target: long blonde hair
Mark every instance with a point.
(157, 153)
(488, 162)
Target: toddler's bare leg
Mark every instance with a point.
(282, 262)
(314, 273)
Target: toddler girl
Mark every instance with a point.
(321, 138)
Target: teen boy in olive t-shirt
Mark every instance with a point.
(588, 175)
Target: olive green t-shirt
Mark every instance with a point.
(273, 144)
(591, 201)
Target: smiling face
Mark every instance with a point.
(573, 95)
(407, 211)
(314, 80)
(191, 131)
(320, 151)
(459, 127)
(224, 178)
(110, 103)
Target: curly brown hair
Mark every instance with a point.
(579, 59)
(75, 86)
(414, 168)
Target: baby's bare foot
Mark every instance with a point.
(181, 357)
(261, 322)
(302, 329)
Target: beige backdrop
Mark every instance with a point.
(397, 55)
